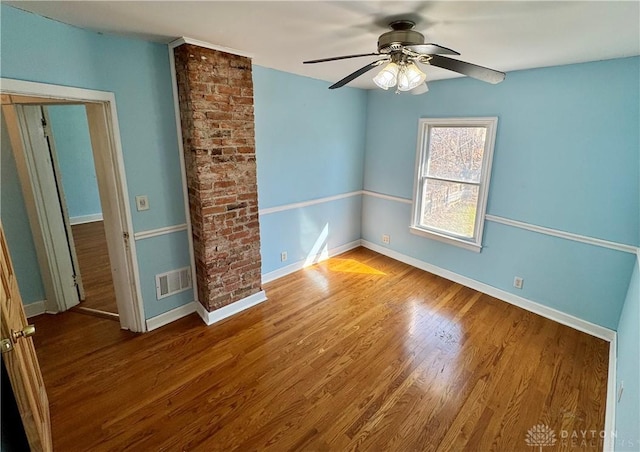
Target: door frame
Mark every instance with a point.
(108, 158)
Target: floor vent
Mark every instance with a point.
(173, 282)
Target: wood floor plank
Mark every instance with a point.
(359, 352)
(95, 267)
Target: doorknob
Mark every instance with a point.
(27, 331)
(6, 345)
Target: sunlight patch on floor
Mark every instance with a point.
(351, 266)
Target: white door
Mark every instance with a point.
(48, 206)
(63, 201)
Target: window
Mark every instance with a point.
(453, 166)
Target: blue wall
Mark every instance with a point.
(75, 159)
(37, 49)
(309, 145)
(300, 156)
(628, 370)
(16, 225)
(566, 157)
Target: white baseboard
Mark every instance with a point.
(227, 311)
(291, 268)
(81, 219)
(537, 308)
(170, 316)
(35, 308)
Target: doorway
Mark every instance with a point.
(59, 256)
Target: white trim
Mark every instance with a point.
(82, 219)
(611, 402)
(227, 311)
(171, 316)
(388, 197)
(534, 228)
(284, 271)
(471, 246)
(47, 91)
(98, 312)
(562, 234)
(127, 281)
(531, 306)
(101, 106)
(298, 205)
(159, 231)
(35, 308)
(184, 40)
(183, 171)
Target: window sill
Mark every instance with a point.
(476, 247)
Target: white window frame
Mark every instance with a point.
(424, 126)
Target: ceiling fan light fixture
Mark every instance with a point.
(420, 89)
(410, 77)
(388, 76)
(401, 48)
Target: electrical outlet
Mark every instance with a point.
(517, 282)
(386, 238)
(283, 256)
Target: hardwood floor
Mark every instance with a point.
(95, 268)
(360, 352)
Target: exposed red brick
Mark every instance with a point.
(215, 96)
(227, 89)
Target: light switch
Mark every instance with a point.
(142, 202)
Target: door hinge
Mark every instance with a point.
(45, 128)
(75, 280)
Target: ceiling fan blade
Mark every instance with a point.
(431, 49)
(472, 70)
(357, 73)
(322, 60)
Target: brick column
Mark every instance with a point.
(215, 92)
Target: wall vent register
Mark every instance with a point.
(173, 282)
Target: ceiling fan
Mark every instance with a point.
(402, 48)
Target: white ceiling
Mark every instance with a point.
(502, 35)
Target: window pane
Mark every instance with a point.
(449, 207)
(456, 153)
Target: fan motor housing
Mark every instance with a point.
(401, 35)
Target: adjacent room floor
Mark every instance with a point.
(358, 352)
(95, 268)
